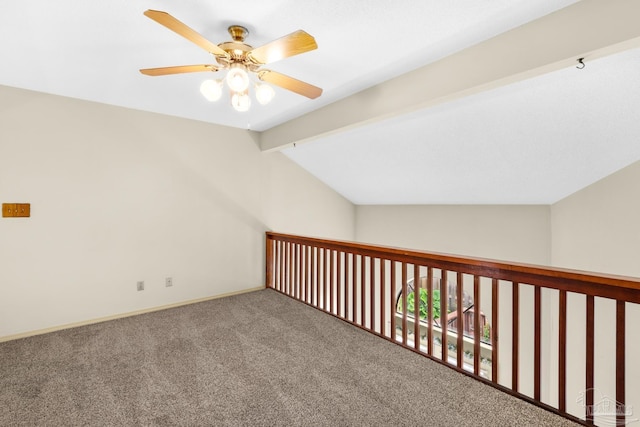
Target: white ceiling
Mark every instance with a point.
(511, 145)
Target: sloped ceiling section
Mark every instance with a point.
(531, 142)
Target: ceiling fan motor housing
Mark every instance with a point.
(237, 49)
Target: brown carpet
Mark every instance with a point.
(254, 359)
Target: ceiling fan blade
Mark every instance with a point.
(289, 83)
(293, 44)
(163, 71)
(163, 18)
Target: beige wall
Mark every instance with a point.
(510, 233)
(598, 228)
(119, 196)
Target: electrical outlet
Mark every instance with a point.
(168, 282)
(140, 286)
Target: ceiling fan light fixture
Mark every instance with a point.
(240, 101)
(237, 78)
(239, 59)
(211, 89)
(264, 93)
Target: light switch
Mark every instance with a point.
(23, 210)
(8, 210)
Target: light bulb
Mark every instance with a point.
(211, 89)
(237, 78)
(241, 101)
(264, 93)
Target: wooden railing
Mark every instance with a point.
(374, 287)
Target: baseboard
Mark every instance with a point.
(122, 315)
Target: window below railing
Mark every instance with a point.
(510, 325)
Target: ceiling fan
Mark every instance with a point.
(240, 59)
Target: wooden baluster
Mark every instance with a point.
(301, 255)
(460, 319)
(317, 269)
(354, 294)
(306, 273)
(339, 284)
(620, 363)
(444, 316)
(430, 310)
(562, 351)
(300, 271)
(495, 298)
(372, 294)
(283, 267)
(537, 307)
(346, 285)
(319, 278)
(305, 282)
(383, 329)
(404, 303)
(392, 300)
(589, 374)
(292, 260)
(278, 266)
(363, 292)
(478, 331)
(296, 271)
(325, 280)
(310, 275)
(312, 278)
(289, 267)
(515, 334)
(416, 306)
(330, 304)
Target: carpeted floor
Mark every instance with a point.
(254, 359)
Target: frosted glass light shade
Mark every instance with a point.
(241, 101)
(264, 93)
(211, 89)
(237, 78)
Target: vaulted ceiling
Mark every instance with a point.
(424, 101)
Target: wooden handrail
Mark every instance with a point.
(367, 286)
(596, 284)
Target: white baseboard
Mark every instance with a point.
(121, 315)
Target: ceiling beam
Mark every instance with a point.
(588, 29)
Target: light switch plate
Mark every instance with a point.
(16, 210)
